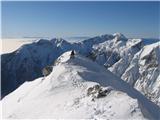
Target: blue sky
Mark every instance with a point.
(66, 19)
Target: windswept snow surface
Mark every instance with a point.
(63, 94)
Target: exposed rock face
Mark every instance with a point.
(98, 91)
(47, 70)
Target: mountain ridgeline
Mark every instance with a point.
(124, 57)
(78, 88)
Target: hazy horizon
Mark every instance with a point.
(11, 44)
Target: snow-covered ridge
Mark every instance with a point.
(116, 52)
(63, 95)
(27, 62)
(133, 62)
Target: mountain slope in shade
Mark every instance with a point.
(63, 94)
(26, 63)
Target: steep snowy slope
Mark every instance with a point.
(144, 71)
(133, 62)
(119, 50)
(64, 94)
(27, 62)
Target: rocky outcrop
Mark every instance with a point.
(98, 91)
(47, 70)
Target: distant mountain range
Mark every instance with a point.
(124, 57)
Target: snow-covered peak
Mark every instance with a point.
(107, 36)
(149, 55)
(150, 48)
(57, 40)
(64, 57)
(78, 88)
(119, 36)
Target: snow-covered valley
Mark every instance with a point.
(118, 66)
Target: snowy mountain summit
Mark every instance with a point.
(78, 88)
